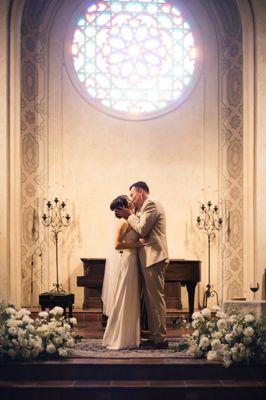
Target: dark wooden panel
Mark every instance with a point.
(178, 271)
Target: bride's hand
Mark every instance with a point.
(142, 242)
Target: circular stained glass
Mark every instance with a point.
(134, 59)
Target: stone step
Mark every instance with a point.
(127, 369)
(138, 389)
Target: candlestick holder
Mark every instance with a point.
(210, 221)
(56, 217)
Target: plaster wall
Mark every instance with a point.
(93, 157)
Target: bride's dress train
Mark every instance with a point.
(123, 326)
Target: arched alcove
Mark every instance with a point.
(42, 135)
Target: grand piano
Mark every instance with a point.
(179, 272)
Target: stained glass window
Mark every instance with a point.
(134, 57)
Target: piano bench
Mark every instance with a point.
(61, 299)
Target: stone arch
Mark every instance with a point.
(36, 22)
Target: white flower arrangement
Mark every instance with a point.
(23, 337)
(229, 339)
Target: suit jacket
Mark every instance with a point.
(151, 223)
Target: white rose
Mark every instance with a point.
(64, 352)
(210, 325)
(12, 331)
(232, 318)
(194, 351)
(73, 321)
(249, 318)
(206, 312)
(31, 328)
(197, 316)
(217, 335)
(43, 314)
(227, 362)
(70, 342)
(221, 324)
(221, 314)
(22, 312)
(228, 337)
(58, 340)
(204, 342)
(234, 349)
(50, 348)
(10, 310)
(249, 331)
(58, 310)
(194, 324)
(216, 344)
(237, 329)
(11, 322)
(212, 355)
(27, 319)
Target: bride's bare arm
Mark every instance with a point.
(120, 233)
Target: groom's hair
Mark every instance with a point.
(119, 202)
(141, 185)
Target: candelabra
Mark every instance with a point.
(210, 221)
(57, 218)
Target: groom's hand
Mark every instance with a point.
(123, 212)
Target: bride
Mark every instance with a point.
(123, 326)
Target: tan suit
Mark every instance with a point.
(151, 224)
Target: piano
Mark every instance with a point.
(179, 272)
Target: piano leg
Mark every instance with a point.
(191, 296)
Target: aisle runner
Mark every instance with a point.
(92, 348)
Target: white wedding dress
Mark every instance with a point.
(123, 326)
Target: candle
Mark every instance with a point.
(202, 195)
(199, 205)
(209, 193)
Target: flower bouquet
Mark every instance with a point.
(229, 339)
(23, 337)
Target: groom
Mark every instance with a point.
(150, 223)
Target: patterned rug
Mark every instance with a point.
(92, 348)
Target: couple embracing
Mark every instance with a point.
(141, 239)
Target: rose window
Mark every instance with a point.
(134, 59)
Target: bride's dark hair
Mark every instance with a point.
(119, 202)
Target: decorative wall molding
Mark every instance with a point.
(249, 209)
(15, 154)
(226, 19)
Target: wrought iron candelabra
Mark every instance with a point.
(210, 221)
(57, 218)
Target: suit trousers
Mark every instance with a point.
(153, 288)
